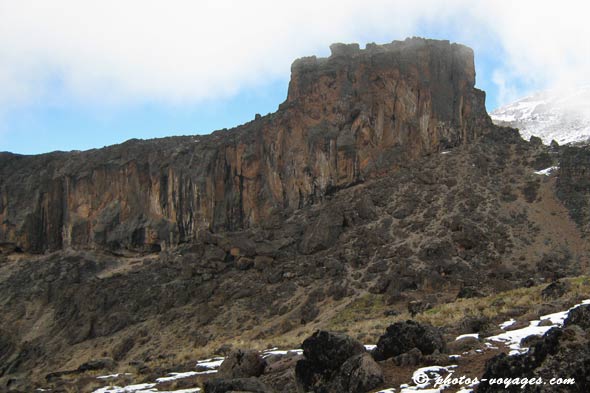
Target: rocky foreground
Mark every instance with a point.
(408, 357)
(379, 192)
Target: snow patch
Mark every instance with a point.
(473, 335)
(410, 389)
(547, 171)
(275, 351)
(111, 376)
(206, 372)
(190, 390)
(174, 376)
(142, 388)
(513, 338)
(212, 363)
(507, 324)
(424, 377)
(139, 388)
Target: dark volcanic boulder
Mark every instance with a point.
(336, 363)
(403, 336)
(242, 364)
(554, 290)
(411, 358)
(328, 351)
(359, 374)
(280, 372)
(579, 316)
(243, 385)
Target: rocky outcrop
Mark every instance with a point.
(554, 290)
(336, 363)
(579, 316)
(402, 337)
(347, 118)
(242, 364)
(330, 350)
(280, 372)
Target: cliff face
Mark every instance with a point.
(347, 118)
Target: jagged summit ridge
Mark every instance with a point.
(347, 118)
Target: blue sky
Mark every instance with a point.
(96, 75)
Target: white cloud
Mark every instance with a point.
(185, 51)
(545, 43)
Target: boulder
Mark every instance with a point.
(411, 358)
(579, 316)
(335, 363)
(281, 380)
(403, 336)
(328, 351)
(242, 364)
(359, 374)
(555, 290)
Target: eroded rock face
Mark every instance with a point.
(347, 117)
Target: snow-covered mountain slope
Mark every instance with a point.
(563, 116)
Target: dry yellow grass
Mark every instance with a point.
(502, 303)
(363, 317)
